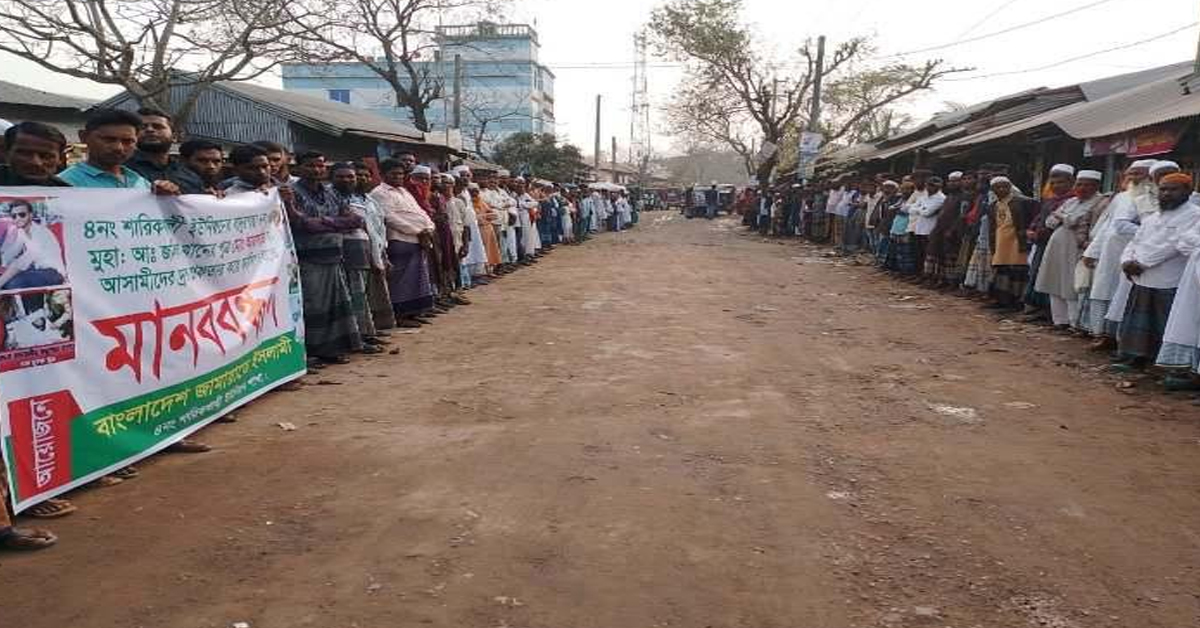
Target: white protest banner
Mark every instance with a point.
(132, 321)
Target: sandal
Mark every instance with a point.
(106, 482)
(27, 540)
(337, 359)
(127, 473)
(186, 446)
(370, 350)
(51, 509)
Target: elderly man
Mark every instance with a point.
(1007, 216)
(1072, 225)
(1129, 224)
(1103, 255)
(1155, 261)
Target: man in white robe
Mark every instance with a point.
(1155, 262)
(1110, 237)
(1072, 225)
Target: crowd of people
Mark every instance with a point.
(1121, 269)
(378, 249)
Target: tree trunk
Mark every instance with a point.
(764, 172)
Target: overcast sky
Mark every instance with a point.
(589, 45)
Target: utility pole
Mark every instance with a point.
(616, 178)
(814, 115)
(596, 155)
(458, 86)
(1196, 64)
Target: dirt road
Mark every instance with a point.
(680, 426)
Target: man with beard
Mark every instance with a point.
(111, 137)
(1071, 226)
(1061, 185)
(1103, 255)
(357, 253)
(153, 158)
(320, 222)
(1155, 261)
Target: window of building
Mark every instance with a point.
(340, 95)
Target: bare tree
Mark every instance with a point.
(768, 96)
(393, 39)
(147, 46)
(484, 110)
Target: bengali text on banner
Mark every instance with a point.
(131, 321)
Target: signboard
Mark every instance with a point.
(810, 143)
(767, 151)
(1153, 140)
(130, 322)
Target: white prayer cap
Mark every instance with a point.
(446, 177)
(503, 173)
(1090, 175)
(954, 176)
(1000, 179)
(472, 186)
(461, 169)
(1063, 168)
(419, 169)
(889, 183)
(1143, 163)
(1159, 166)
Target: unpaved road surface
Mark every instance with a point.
(682, 426)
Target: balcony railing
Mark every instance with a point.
(487, 30)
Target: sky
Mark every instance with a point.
(589, 46)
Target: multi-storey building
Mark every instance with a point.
(505, 89)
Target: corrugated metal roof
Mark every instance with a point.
(21, 95)
(1105, 87)
(936, 138)
(1160, 101)
(326, 115)
(1138, 105)
(854, 152)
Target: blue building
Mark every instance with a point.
(505, 89)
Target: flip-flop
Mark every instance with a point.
(27, 540)
(51, 509)
(126, 473)
(370, 350)
(106, 482)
